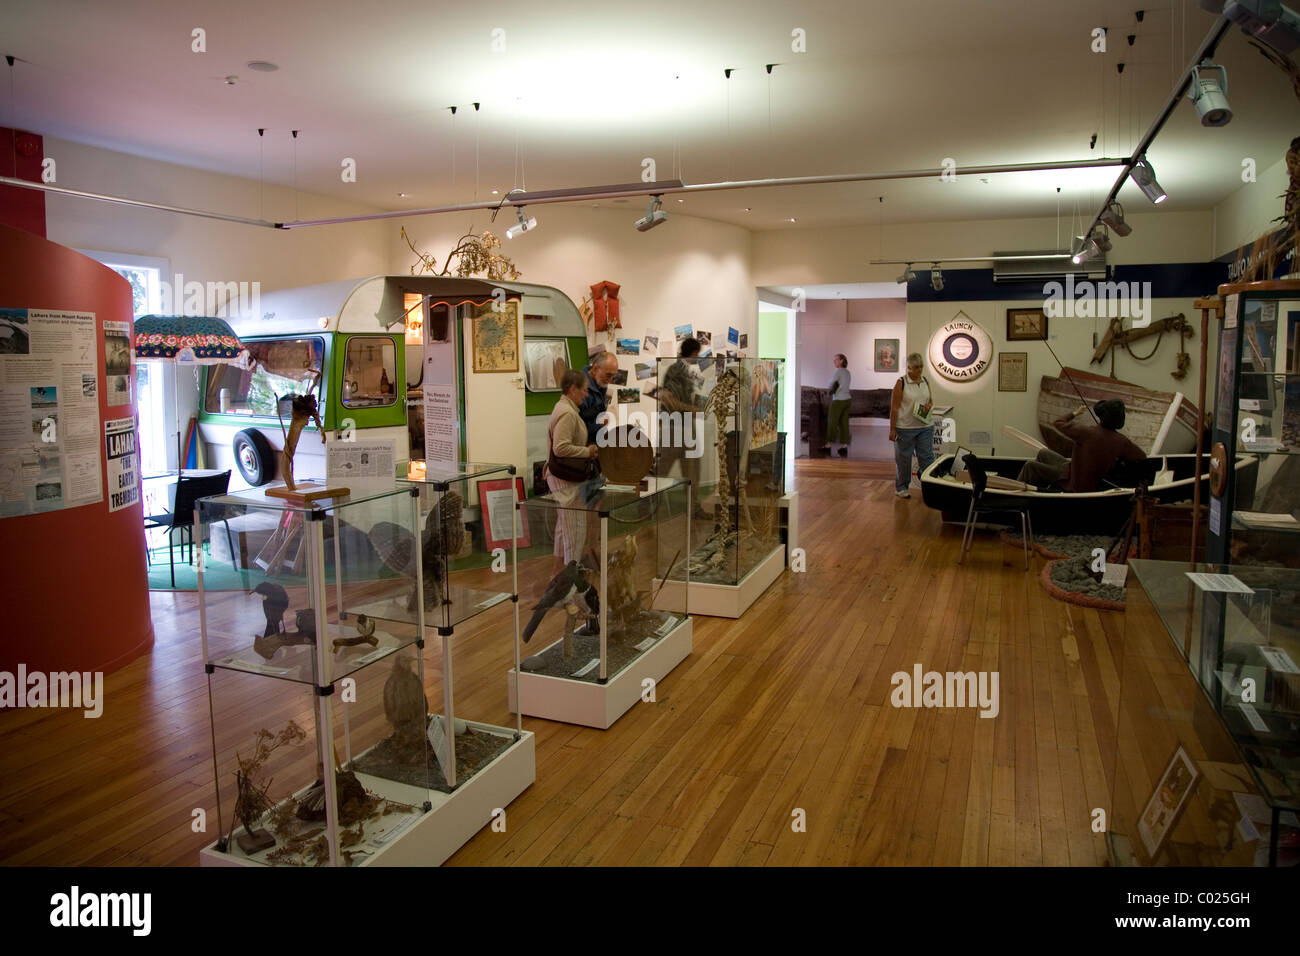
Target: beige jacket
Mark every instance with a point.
(568, 431)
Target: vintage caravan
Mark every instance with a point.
(360, 344)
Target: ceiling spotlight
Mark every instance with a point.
(792, 219)
(1086, 249)
(401, 195)
(1113, 216)
(231, 80)
(522, 226)
(907, 276)
(936, 278)
(1209, 94)
(1102, 240)
(654, 215)
(1266, 20)
(1145, 177)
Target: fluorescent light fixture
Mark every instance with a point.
(907, 276)
(1209, 94)
(1113, 216)
(1145, 178)
(936, 278)
(522, 226)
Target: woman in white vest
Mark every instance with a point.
(909, 424)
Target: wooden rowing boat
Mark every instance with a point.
(1063, 512)
(1145, 410)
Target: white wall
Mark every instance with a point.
(979, 406)
(850, 326)
(1247, 214)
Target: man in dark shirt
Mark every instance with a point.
(1097, 449)
(599, 374)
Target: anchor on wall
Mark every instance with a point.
(1117, 336)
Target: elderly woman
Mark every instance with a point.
(567, 442)
(909, 424)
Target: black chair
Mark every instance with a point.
(189, 490)
(979, 477)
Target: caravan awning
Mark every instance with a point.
(454, 292)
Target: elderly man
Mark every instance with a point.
(600, 373)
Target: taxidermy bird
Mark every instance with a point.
(570, 586)
(275, 601)
(405, 706)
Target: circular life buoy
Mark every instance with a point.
(254, 457)
(960, 350)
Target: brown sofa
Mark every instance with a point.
(816, 404)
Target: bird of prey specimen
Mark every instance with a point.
(570, 586)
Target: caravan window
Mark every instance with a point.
(369, 372)
(278, 367)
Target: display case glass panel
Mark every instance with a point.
(1255, 517)
(1206, 770)
(262, 605)
(717, 426)
(591, 590)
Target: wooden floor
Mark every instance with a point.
(784, 710)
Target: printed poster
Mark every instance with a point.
(440, 444)
(123, 463)
(49, 411)
(117, 363)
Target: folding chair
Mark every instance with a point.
(189, 489)
(979, 477)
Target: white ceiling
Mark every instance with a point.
(584, 93)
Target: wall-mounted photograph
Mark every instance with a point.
(886, 351)
(1025, 325)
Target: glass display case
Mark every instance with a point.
(1255, 511)
(337, 587)
(1207, 758)
(718, 427)
(598, 621)
(291, 687)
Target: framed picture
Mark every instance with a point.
(1013, 372)
(886, 355)
(1166, 805)
(1025, 325)
(496, 498)
(495, 335)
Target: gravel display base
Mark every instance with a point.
(1062, 545)
(1072, 580)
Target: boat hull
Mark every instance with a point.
(1145, 410)
(1096, 512)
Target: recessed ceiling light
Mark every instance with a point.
(747, 209)
(262, 66)
(401, 195)
(495, 191)
(231, 80)
(792, 219)
(681, 200)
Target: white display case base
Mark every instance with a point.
(726, 600)
(430, 838)
(594, 704)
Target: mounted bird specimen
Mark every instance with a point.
(570, 587)
(406, 708)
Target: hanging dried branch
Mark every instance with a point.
(1291, 198)
(473, 255)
